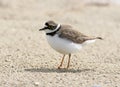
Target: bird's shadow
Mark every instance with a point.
(51, 70)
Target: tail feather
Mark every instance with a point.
(92, 38)
(99, 38)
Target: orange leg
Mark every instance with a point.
(61, 62)
(69, 61)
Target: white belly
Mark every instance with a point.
(62, 45)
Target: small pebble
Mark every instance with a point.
(36, 83)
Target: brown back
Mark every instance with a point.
(67, 32)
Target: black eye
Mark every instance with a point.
(50, 27)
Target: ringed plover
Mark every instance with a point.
(65, 40)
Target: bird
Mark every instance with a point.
(65, 39)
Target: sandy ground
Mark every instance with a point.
(26, 59)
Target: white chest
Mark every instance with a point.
(63, 46)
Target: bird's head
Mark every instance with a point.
(50, 26)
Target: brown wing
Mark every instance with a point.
(68, 33)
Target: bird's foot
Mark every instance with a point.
(59, 67)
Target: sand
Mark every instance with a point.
(26, 59)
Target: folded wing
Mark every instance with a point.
(75, 36)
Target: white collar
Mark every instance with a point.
(58, 26)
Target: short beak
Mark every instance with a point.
(42, 29)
